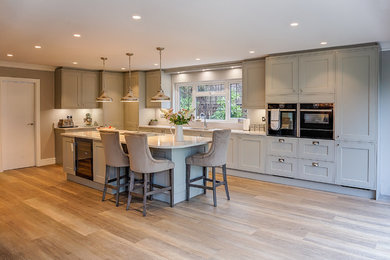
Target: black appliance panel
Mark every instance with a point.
(84, 158)
(288, 120)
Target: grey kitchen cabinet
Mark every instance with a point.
(68, 159)
(356, 164)
(76, 88)
(316, 149)
(281, 83)
(315, 170)
(282, 146)
(153, 86)
(251, 155)
(253, 84)
(282, 166)
(99, 162)
(132, 109)
(357, 94)
(232, 153)
(113, 111)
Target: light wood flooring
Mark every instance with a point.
(43, 216)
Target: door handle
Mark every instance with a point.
(316, 143)
(315, 164)
(281, 160)
(281, 140)
(30, 124)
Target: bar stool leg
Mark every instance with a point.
(131, 188)
(118, 181)
(105, 182)
(225, 181)
(188, 176)
(172, 184)
(151, 185)
(214, 188)
(145, 191)
(205, 175)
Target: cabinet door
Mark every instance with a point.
(356, 165)
(253, 84)
(89, 89)
(317, 171)
(68, 155)
(113, 111)
(282, 166)
(70, 89)
(317, 73)
(131, 109)
(232, 154)
(153, 86)
(99, 162)
(282, 75)
(251, 154)
(282, 146)
(356, 95)
(316, 149)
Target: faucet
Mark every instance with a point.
(203, 115)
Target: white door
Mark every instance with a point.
(17, 124)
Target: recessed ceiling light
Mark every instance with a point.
(294, 24)
(37, 47)
(75, 62)
(136, 17)
(156, 64)
(10, 55)
(251, 52)
(197, 59)
(123, 68)
(77, 35)
(323, 43)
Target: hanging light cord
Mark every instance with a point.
(130, 72)
(104, 68)
(160, 70)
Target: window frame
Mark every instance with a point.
(195, 93)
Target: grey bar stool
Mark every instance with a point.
(142, 162)
(115, 158)
(215, 157)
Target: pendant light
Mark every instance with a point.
(160, 96)
(103, 97)
(129, 96)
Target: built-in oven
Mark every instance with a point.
(282, 120)
(316, 120)
(84, 158)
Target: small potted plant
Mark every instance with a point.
(153, 122)
(180, 118)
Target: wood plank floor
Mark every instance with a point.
(43, 216)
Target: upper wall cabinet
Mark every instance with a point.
(131, 112)
(113, 111)
(76, 88)
(357, 94)
(282, 78)
(316, 76)
(253, 84)
(153, 85)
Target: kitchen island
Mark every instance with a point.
(161, 146)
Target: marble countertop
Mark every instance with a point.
(154, 140)
(66, 129)
(234, 131)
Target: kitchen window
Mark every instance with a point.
(216, 100)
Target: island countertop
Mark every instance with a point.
(154, 140)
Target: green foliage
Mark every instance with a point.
(235, 110)
(220, 113)
(183, 117)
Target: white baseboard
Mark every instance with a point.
(47, 161)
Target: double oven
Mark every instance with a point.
(307, 120)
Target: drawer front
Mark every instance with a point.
(282, 146)
(317, 171)
(315, 149)
(282, 166)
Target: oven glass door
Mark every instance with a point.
(317, 120)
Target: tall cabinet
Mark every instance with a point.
(113, 111)
(356, 116)
(153, 85)
(132, 109)
(253, 84)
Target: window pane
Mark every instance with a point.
(185, 97)
(214, 107)
(211, 87)
(236, 110)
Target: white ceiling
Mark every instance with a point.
(212, 30)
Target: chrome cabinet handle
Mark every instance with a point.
(315, 164)
(281, 140)
(281, 160)
(316, 143)
(30, 124)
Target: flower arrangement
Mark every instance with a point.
(182, 117)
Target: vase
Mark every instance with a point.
(179, 137)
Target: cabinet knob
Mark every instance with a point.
(316, 143)
(281, 140)
(315, 164)
(281, 160)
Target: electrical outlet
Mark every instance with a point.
(263, 118)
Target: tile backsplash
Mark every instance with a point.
(78, 115)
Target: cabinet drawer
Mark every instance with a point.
(282, 146)
(317, 171)
(315, 149)
(282, 166)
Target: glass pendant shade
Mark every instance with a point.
(160, 96)
(103, 96)
(130, 95)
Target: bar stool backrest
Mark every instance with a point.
(217, 155)
(139, 153)
(113, 152)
